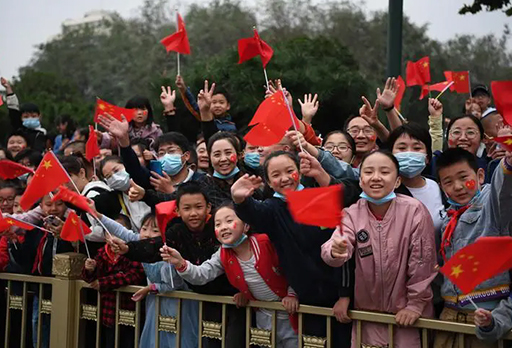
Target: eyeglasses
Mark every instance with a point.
(470, 133)
(9, 200)
(340, 147)
(354, 131)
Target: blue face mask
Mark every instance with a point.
(171, 164)
(252, 160)
(283, 197)
(234, 172)
(32, 123)
(235, 244)
(381, 201)
(119, 181)
(411, 163)
(458, 205)
(23, 177)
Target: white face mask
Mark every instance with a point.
(120, 181)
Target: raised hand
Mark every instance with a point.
(369, 113)
(168, 97)
(387, 97)
(483, 317)
(6, 85)
(136, 192)
(172, 256)
(339, 247)
(204, 99)
(310, 167)
(162, 183)
(435, 107)
(117, 128)
(309, 107)
(244, 187)
(180, 83)
(118, 245)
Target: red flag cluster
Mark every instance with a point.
(7, 222)
(502, 94)
(251, 47)
(74, 228)
(12, 170)
(165, 212)
(177, 42)
(102, 107)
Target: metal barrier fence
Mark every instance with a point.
(69, 313)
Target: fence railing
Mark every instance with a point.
(66, 306)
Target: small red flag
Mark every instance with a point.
(91, 147)
(502, 93)
(477, 262)
(102, 107)
(305, 206)
(7, 222)
(460, 79)
(49, 175)
(177, 42)
(12, 170)
(418, 73)
(435, 87)
(1, 101)
(71, 230)
(79, 201)
(165, 212)
(401, 90)
(263, 135)
(506, 141)
(251, 47)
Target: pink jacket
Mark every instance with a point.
(395, 259)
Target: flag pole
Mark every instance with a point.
(444, 90)
(429, 93)
(93, 159)
(83, 236)
(293, 121)
(28, 223)
(469, 82)
(473, 303)
(266, 78)
(177, 54)
(400, 115)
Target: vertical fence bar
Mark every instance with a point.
(300, 330)
(8, 315)
(178, 325)
(329, 333)
(137, 324)
(98, 321)
(424, 338)
(223, 328)
(390, 336)
(461, 340)
(273, 334)
(248, 327)
(39, 323)
(358, 333)
(200, 326)
(157, 321)
(24, 314)
(500, 344)
(116, 330)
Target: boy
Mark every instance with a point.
(25, 119)
(476, 210)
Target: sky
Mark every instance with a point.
(27, 23)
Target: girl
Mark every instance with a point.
(341, 145)
(297, 245)
(392, 240)
(66, 128)
(158, 277)
(251, 265)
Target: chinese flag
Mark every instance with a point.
(1, 101)
(177, 42)
(401, 90)
(505, 141)
(460, 79)
(79, 201)
(12, 170)
(71, 230)
(273, 110)
(102, 107)
(91, 147)
(263, 135)
(7, 222)
(418, 73)
(49, 175)
(165, 212)
(305, 206)
(251, 47)
(435, 87)
(502, 93)
(477, 262)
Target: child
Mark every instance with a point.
(392, 240)
(158, 277)
(251, 265)
(105, 273)
(476, 210)
(492, 326)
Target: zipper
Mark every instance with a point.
(379, 231)
(421, 251)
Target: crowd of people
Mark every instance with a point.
(413, 197)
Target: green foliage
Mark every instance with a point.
(490, 5)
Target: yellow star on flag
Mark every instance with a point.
(508, 142)
(456, 271)
(47, 164)
(101, 106)
(73, 221)
(10, 222)
(425, 64)
(462, 77)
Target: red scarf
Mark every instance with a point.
(450, 228)
(39, 255)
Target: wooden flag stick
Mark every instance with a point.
(469, 82)
(177, 54)
(293, 121)
(400, 115)
(444, 90)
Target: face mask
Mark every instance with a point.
(32, 123)
(23, 177)
(283, 197)
(411, 163)
(458, 205)
(235, 244)
(252, 160)
(171, 164)
(381, 201)
(234, 172)
(120, 181)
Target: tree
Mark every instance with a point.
(490, 5)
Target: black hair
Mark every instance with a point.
(172, 138)
(386, 153)
(83, 131)
(225, 204)
(33, 156)
(413, 130)
(220, 90)
(140, 102)
(17, 133)
(190, 188)
(7, 153)
(71, 126)
(148, 216)
(349, 138)
(29, 107)
(475, 120)
(348, 120)
(72, 164)
(230, 137)
(275, 154)
(453, 156)
(77, 146)
(111, 158)
(11, 183)
(127, 220)
(141, 143)
(193, 158)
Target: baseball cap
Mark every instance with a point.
(481, 88)
(488, 112)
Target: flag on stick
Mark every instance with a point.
(502, 94)
(177, 42)
(102, 107)
(418, 73)
(251, 47)
(460, 80)
(401, 90)
(91, 147)
(73, 228)
(73, 198)
(12, 170)
(165, 212)
(425, 89)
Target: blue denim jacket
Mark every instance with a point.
(335, 168)
(490, 215)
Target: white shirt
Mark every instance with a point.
(430, 196)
